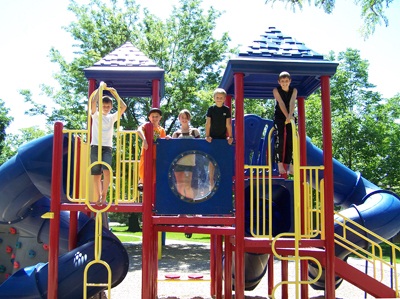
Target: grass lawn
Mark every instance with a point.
(386, 252)
(125, 236)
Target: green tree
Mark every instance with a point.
(183, 45)
(372, 12)
(98, 30)
(363, 123)
(193, 60)
(14, 141)
(5, 121)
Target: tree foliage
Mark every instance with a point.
(13, 141)
(363, 123)
(372, 12)
(183, 45)
(5, 121)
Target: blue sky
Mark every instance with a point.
(30, 28)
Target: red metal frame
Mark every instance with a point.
(328, 189)
(239, 186)
(148, 236)
(55, 204)
(228, 268)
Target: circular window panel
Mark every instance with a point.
(194, 176)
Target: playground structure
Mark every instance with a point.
(270, 217)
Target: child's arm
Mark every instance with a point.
(196, 133)
(229, 130)
(141, 135)
(94, 100)
(292, 103)
(122, 106)
(121, 102)
(208, 126)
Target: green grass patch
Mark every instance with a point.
(124, 236)
(386, 252)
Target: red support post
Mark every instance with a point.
(156, 93)
(328, 189)
(212, 264)
(239, 185)
(228, 268)
(301, 111)
(228, 101)
(148, 231)
(154, 260)
(55, 208)
(285, 277)
(73, 230)
(270, 274)
(218, 266)
(92, 87)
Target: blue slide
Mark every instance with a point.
(363, 202)
(25, 186)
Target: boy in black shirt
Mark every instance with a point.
(218, 125)
(218, 122)
(285, 97)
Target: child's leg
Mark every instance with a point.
(96, 171)
(97, 188)
(106, 184)
(281, 168)
(288, 145)
(289, 148)
(291, 171)
(141, 169)
(280, 127)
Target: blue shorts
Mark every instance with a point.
(106, 157)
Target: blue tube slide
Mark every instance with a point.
(25, 186)
(366, 204)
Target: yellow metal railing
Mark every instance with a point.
(128, 170)
(261, 186)
(123, 185)
(297, 224)
(313, 216)
(374, 257)
(97, 260)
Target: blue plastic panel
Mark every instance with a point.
(214, 199)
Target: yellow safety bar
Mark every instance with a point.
(261, 177)
(373, 257)
(123, 185)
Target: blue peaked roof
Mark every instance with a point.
(271, 54)
(129, 71)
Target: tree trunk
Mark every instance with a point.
(133, 223)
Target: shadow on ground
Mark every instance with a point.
(175, 257)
